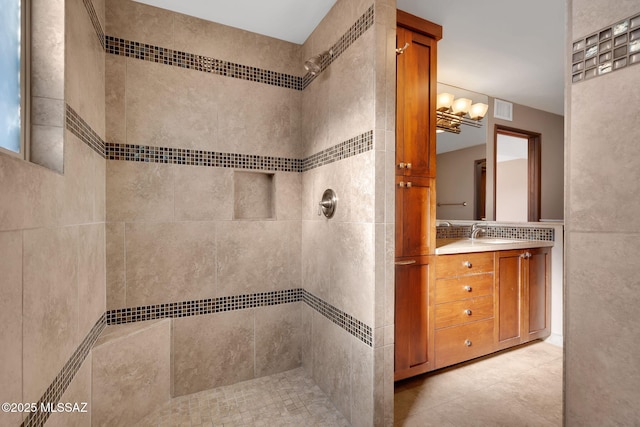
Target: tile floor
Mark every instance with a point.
(287, 399)
(518, 387)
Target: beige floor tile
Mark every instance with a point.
(520, 387)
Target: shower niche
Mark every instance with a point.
(253, 195)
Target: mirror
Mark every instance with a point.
(461, 166)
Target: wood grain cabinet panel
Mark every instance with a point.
(413, 317)
(523, 304)
(464, 311)
(462, 287)
(460, 343)
(464, 264)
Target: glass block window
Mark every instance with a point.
(10, 75)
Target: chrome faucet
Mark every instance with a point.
(444, 224)
(477, 229)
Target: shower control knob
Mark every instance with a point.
(468, 288)
(467, 343)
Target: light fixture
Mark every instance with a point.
(451, 113)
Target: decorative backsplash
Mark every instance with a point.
(609, 49)
(497, 231)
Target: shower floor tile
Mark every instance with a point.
(287, 399)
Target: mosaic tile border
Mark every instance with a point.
(358, 28)
(191, 61)
(351, 147)
(192, 157)
(158, 54)
(185, 156)
(339, 317)
(57, 388)
(88, 4)
(240, 302)
(80, 128)
(498, 231)
(202, 306)
(610, 49)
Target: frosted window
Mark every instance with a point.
(10, 35)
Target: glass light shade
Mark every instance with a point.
(444, 101)
(477, 111)
(461, 106)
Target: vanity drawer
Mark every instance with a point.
(460, 343)
(464, 311)
(463, 264)
(463, 287)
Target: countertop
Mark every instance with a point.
(482, 244)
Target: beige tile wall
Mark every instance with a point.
(131, 373)
(52, 236)
(346, 260)
(602, 230)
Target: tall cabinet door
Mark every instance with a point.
(509, 287)
(414, 352)
(416, 97)
(538, 316)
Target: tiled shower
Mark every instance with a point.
(183, 242)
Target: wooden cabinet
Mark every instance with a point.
(415, 194)
(523, 286)
(415, 216)
(464, 307)
(489, 301)
(416, 98)
(413, 317)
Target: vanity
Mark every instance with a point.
(489, 294)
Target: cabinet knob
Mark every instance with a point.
(467, 312)
(468, 288)
(467, 343)
(401, 165)
(401, 184)
(409, 184)
(408, 165)
(467, 264)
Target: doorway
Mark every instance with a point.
(516, 175)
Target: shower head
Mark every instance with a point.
(313, 65)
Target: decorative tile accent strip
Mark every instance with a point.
(185, 156)
(357, 29)
(203, 306)
(610, 49)
(339, 317)
(343, 150)
(82, 130)
(161, 55)
(498, 231)
(56, 389)
(147, 52)
(94, 20)
(240, 302)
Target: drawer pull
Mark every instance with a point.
(467, 343)
(468, 288)
(408, 262)
(467, 312)
(467, 264)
